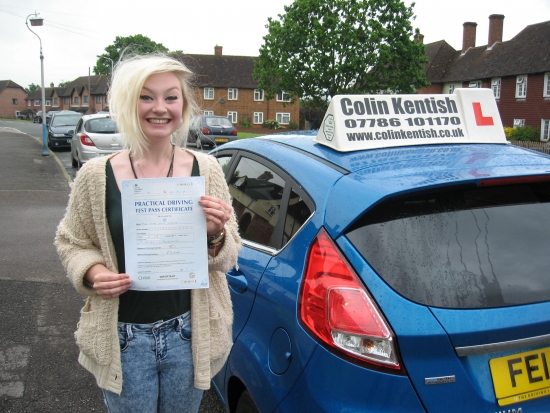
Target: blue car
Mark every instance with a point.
(393, 261)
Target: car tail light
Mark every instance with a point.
(338, 310)
(206, 131)
(85, 140)
(234, 132)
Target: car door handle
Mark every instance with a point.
(237, 281)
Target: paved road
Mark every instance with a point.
(39, 308)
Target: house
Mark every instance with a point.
(73, 95)
(225, 87)
(12, 99)
(518, 71)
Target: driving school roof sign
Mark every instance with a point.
(356, 122)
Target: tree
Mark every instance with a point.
(32, 88)
(321, 48)
(130, 45)
(62, 83)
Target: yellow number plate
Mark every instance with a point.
(521, 376)
(221, 140)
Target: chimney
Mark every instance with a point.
(419, 38)
(51, 84)
(496, 25)
(218, 50)
(468, 36)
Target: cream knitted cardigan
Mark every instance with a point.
(83, 239)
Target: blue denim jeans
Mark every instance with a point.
(157, 369)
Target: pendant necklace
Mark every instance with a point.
(170, 170)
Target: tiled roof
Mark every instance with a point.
(37, 94)
(528, 52)
(221, 71)
(4, 84)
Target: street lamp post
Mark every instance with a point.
(37, 21)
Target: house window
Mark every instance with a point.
(98, 99)
(258, 117)
(36, 103)
(48, 102)
(450, 87)
(209, 112)
(14, 101)
(56, 101)
(85, 99)
(545, 130)
(66, 101)
(283, 118)
(495, 86)
(29, 103)
(232, 93)
(546, 91)
(283, 96)
(258, 94)
(232, 116)
(521, 86)
(475, 84)
(519, 122)
(76, 100)
(209, 93)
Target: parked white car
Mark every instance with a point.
(94, 135)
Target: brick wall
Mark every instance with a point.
(7, 107)
(245, 106)
(533, 108)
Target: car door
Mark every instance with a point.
(256, 191)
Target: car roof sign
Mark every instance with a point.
(358, 122)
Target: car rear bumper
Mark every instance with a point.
(90, 154)
(330, 384)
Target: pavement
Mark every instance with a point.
(39, 308)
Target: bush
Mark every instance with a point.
(292, 125)
(245, 123)
(272, 124)
(508, 132)
(525, 133)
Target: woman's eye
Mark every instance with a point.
(145, 97)
(172, 98)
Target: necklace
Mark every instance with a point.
(170, 169)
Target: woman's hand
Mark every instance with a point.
(106, 283)
(217, 213)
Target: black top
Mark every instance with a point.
(140, 307)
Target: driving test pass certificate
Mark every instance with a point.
(165, 233)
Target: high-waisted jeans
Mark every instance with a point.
(157, 369)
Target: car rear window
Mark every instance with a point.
(101, 125)
(219, 122)
(466, 247)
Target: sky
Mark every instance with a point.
(76, 32)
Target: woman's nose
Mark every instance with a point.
(159, 107)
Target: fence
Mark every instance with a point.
(535, 146)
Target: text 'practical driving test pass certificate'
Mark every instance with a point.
(165, 233)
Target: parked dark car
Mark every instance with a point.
(211, 131)
(61, 128)
(38, 117)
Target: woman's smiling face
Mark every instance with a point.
(160, 105)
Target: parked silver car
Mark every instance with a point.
(94, 135)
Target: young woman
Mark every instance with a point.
(150, 351)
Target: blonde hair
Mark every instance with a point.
(128, 79)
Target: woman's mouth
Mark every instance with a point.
(158, 121)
